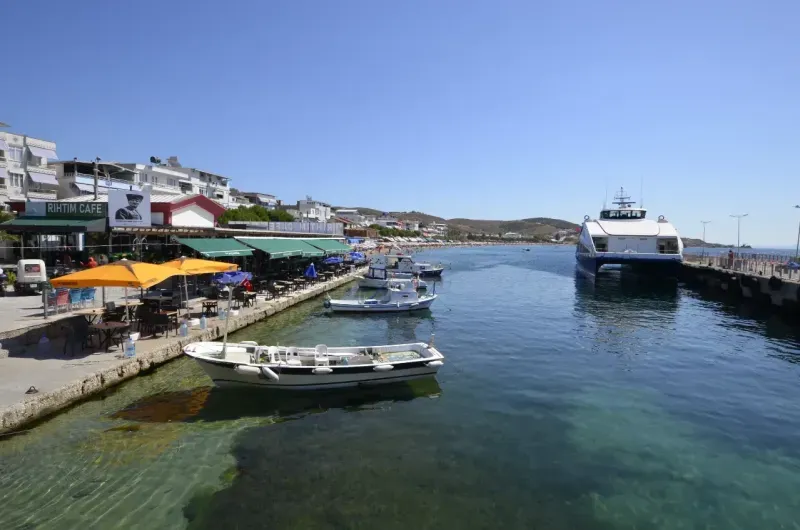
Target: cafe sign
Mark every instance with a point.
(66, 210)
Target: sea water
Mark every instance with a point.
(563, 404)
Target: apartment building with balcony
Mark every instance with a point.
(270, 202)
(310, 210)
(76, 178)
(24, 168)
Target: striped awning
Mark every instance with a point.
(43, 178)
(278, 248)
(44, 153)
(217, 248)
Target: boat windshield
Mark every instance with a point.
(622, 214)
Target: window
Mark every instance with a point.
(201, 191)
(155, 179)
(172, 182)
(15, 154)
(16, 180)
(2, 155)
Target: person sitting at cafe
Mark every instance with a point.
(91, 264)
(248, 285)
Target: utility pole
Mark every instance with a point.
(25, 166)
(797, 248)
(704, 236)
(94, 168)
(739, 227)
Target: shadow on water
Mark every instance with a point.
(419, 465)
(615, 296)
(209, 404)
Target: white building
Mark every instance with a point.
(352, 215)
(270, 202)
(310, 209)
(512, 235)
(411, 225)
(76, 178)
(435, 230)
(389, 222)
(23, 168)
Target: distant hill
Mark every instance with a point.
(692, 242)
(533, 226)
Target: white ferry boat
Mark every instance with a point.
(624, 236)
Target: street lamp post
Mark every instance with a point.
(704, 236)
(739, 227)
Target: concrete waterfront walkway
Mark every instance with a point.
(62, 381)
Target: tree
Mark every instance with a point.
(5, 236)
(254, 213)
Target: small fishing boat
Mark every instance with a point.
(377, 277)
(399, 263)
(402, 296)
(247, 364)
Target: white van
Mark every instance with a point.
(31, 274)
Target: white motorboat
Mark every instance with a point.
(321, 367)
(402, 296)
(377, 277)
(397, 262)
(624, 236)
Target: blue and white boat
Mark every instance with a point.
(623, 235)
(402, 296)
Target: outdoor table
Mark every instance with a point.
(173, 316)
(209, 306)
(130, 303)
(91, 314)
(289, 285)
(249, 299)
(107, 331)
(262, 286)
(300, 281)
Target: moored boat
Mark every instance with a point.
(397, 262)
(624, 236)
(321, 367)
(378, 277)
(402, 296)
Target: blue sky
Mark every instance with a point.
(491, 109)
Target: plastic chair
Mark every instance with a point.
(87, 295)
(321, 355)
(62, 300)
(51, 300)
(75, 297)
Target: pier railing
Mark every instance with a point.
(780, 265)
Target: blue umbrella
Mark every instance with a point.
(232, 277)
(356, 256)
(311, 272)
(333, 260)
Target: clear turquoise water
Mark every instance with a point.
(563, 404)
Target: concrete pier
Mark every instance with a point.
(758, 281)
(63, 381)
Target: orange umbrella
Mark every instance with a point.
(194, 266)
(121, 273)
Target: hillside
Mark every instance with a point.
(697, 243)
(533, 226)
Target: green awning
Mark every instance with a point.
(282, 248)
(48, 225)
(329, 246)
(217, 248)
